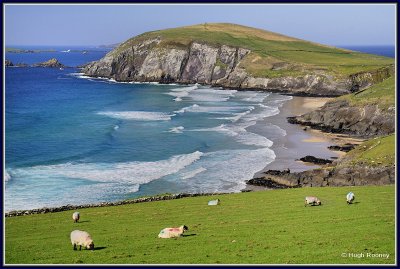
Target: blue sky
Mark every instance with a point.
(108, 24)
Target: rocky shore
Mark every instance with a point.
(340, 116)
(332, 176)
(337, 118)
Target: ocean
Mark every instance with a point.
(388, 51)
(71, 139)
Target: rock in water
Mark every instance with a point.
(53, 63)
(8, 63)
(312, 159)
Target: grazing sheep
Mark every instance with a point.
(350, 198)
(214, 202)
(76, 216)
(312, 200)
(172, 232)
(81, 238)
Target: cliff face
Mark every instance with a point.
(216, 65)
(341, 117)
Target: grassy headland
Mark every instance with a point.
(268, 50)
(268, 227)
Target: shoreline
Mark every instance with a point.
(300, 141)
(296, 144)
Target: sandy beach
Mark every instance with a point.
(298, 142)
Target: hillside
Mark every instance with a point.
(237, 56)
(268, 227)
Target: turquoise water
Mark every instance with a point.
(71, 139)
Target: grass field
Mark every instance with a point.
(379, 151)
(303, 56)
(269, 227)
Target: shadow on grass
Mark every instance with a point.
(99, 248)
(354, 203)
(83, 221)
(184, 235)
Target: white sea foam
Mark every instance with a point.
(255, 97)
(251, 139)
(220, 129)
(179, 93)
(237, 116)
(116, 127)
(211, 95)
(225, 170)
(107, 179)
(240, 134)
(192, 173)
(213, 109)
(7, 176)
(264, 112)
(129, 172)
(137, 115)
(176, 130)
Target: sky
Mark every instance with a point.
(91, 25)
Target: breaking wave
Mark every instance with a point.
(106, 179)
(193, 173)
(137, 115)
(7, 176)
(177, 130)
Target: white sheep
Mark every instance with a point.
(76, 216)
(312, 200)
(172, 232)
(214, 202)
(81, 238)
(350, 198)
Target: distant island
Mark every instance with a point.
(52, 63)
(15, 50)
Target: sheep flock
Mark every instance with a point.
(84, 239)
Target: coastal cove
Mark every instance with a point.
(248, 128)
(233, 122)
(194, 134)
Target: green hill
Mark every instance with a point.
(269, 227)
(268, 50)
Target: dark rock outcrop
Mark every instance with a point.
(314, 160)
(345, 148)
(357, 175)
(8, 63)
(265, 182)
(22, 65)
(340, 116)
(53, 63)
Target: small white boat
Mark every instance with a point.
(61, 68)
